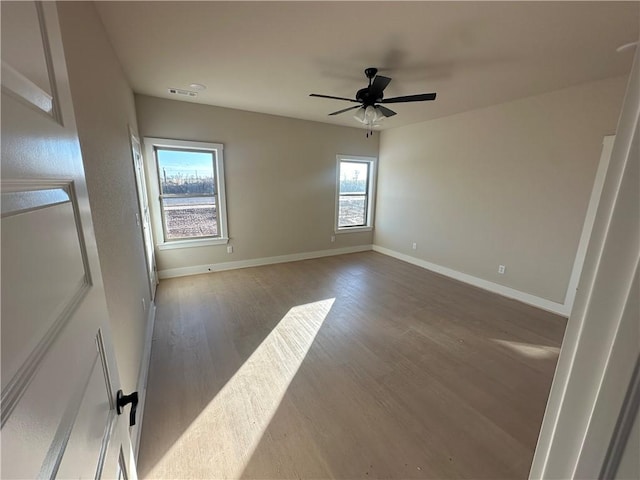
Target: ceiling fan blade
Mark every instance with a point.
(387, 112)
(421, 97)
(335, 98)
(379, 84)
(345, 110)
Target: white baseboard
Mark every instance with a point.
(508, 292)
(539, 302)
(256, 262)
(143, 376)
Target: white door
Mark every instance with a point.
(59, 377)
(145, 219)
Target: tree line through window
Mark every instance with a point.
(188, 193)
(353, 193)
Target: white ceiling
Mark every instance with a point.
(269, 56)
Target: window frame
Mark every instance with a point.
(369, 194)
(153, 144)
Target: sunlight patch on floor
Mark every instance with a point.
(226, 433)
(530, 350)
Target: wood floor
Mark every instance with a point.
(349, 367)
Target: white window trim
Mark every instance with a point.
(192, 242)
(150, 144)
(371, 194)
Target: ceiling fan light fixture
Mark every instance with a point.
(369, 116)
(379, 117)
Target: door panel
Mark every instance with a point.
(59, 374)
(26, 60)
(36, 430)
(53, 265)
(94, 413)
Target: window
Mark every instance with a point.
(190, 189)
(354, 202)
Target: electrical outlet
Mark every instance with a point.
(333, 238)
(501, 269)
(414, 246)
(229, 248)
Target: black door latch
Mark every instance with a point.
(123, 400)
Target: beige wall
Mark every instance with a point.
(104, 108)
(280, 178)
(508, 184)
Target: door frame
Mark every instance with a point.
(587, 227)
(600, 348)
(143, 203)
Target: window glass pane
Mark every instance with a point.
(190, 217)
(352, 211)
(185, 172)
(353, 177)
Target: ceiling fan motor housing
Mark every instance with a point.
(364, 96)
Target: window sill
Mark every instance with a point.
(340, 231)
(200, 242)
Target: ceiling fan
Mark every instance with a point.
(370, 111)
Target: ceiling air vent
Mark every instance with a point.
(185, 93)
